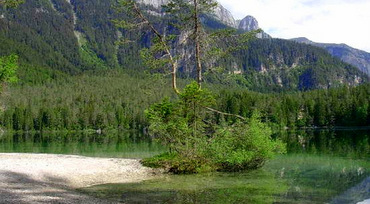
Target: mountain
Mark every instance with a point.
(74, 36)
(249, 23)
(220, 13)
(281, 65)
(155, 3)
(355, 57)
(225, 16)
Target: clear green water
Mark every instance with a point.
(288, 179)
(121, 145)
(321, 167)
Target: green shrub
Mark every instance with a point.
(175, 163)
(198, 143)
(243, 146)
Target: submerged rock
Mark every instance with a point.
(355, 194)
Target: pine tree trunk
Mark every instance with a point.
(197, 43)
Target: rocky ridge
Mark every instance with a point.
(223, 15)
(355, 57)
(248, 23)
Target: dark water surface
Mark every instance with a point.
(322, 166)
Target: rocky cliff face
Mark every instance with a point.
(355, 57)
(220, 13)
(155, 3)
(225, 16)
(248, 23)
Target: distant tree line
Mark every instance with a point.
(345, 106)
(48, 101)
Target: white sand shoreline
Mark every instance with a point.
(40, 178)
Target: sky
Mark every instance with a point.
(325, 21)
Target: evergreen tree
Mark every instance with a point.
(187, 125)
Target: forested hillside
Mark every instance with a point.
(356, 57)
(40, 36)
(278, 65)
(57, 36)
(116, 100)
(73, 75)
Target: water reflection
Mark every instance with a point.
(342, 143)
(122, 144)
(321, 166)
(349, 143)
(298, 178)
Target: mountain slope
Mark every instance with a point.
(78, 35)
(355, 57)
(278, 65)
(40, 35)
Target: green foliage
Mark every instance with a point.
(53, 101)
(198, 143)
(183, 11)
(244, 146)
(91, 59)
(33, 36)
(179, 123)
(11, 3)
(8, 69)
(175, 163)
(343, 106)
(125, 96)
(275, 65)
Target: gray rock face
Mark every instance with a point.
(220, 13)
(155, 3)
(249, 23)
(355, 57)
(225, 16)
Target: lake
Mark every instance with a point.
(128, 144)
(322, 166)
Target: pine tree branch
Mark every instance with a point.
(173, 62)
(223, 113)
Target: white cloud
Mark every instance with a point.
(330, 21)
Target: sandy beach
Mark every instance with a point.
(48, 178)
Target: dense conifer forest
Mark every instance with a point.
(116, 100)
(91, 82)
